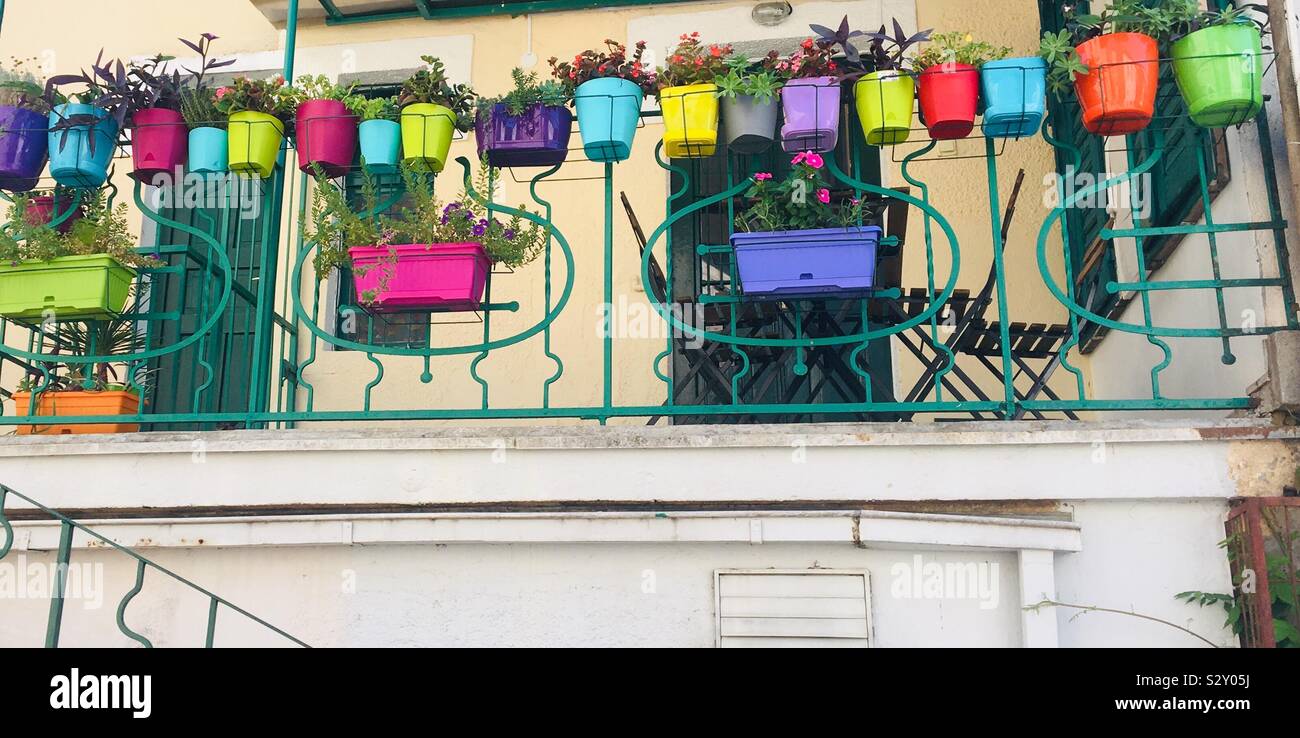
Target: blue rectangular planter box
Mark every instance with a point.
(816, 263)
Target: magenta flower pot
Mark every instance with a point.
(441, 277)
(159, 143)
(327, 137)
(40, 211)
(537, 138)
(812, 114)
(24, 145)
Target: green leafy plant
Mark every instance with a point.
(958, 47)
(1281, 573)
(271, 96)
(373, 108)
(886, 49)
(119, 336)
(744, 78)
(612, 61)
(1060, 49)
(1179, 18)
(321, 87)
(100, 230)
(335, 226)
(528, 91)
(801, 201)
(431, 85)
(692, 62)
(198, 101)
(21, 87)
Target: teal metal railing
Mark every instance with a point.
(241, 331)
(68, 528)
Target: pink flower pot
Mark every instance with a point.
(327, 136)
(159, 143)
(443, 277)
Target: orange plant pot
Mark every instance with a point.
(68, 404)
(1118, 95)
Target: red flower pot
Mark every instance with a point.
(159, 143)
(327, 137)
(949, 99)
(1118, 95)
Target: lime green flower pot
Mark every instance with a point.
(86, 287)
(1220, 71)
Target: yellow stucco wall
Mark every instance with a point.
(141, 27)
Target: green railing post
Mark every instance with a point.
(608, 396)
(290, 39)
(1004, 315)
(60, 586)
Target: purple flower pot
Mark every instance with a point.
(812, 114)
(537, 138)
(24, 144)
(816, 263)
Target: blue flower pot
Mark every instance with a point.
(74, 160)
(824, 262)
(1015, 96)
(381, 145)
(209, 151)
(608, 111)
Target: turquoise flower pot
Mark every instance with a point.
(208, 151)
(73, 160)
(1015, 96)
(608, 111)
(381, 145)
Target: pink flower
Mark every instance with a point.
(824, 195)
(222, 91)
(799, 158)
(763, 176)
(815, 161)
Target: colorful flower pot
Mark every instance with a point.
(539, 137)
(209, 150)
(442, 277)
(254, 141)
(24, 143)
(1015, 96)
(818, 263)
(80, 154)
(41, 211)
(77, 404)
(608, 112)
(885, 101)
(1220, 72)
(1118, 95)
(427, 130)
(750, 125)
(87, 287)
(327, 137)
(159, 143)
(381, 144)
(690, 120)
(950, 95)
(812, 114)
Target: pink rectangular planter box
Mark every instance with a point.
(443, 277)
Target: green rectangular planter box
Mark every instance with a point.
(89, 287)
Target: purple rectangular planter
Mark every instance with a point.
(812, 114)
(537, 138)
(23, 146)
(820, 263)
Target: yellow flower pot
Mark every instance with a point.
(254, 142)
(427, 130)
(690, 120)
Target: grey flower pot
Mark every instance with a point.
(750, 125)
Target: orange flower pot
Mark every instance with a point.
(69, 404)
(1118, 95)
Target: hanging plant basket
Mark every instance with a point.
(74, 404)
(885, 102)
(441, 277)
(427, 130)
(750, 125)
(159, 143)
(825, 262)
(609, 109)
(1118, 95)
(88, 287)
(381, 145)
(949, 96)
(327, 137)
(1015, 96)
(1220, 73)
(538, 137)
(209, 150)
(80, 154)
(690, 120)
(812, 114)
(254, 143)
(41, 211)
(24, 145)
